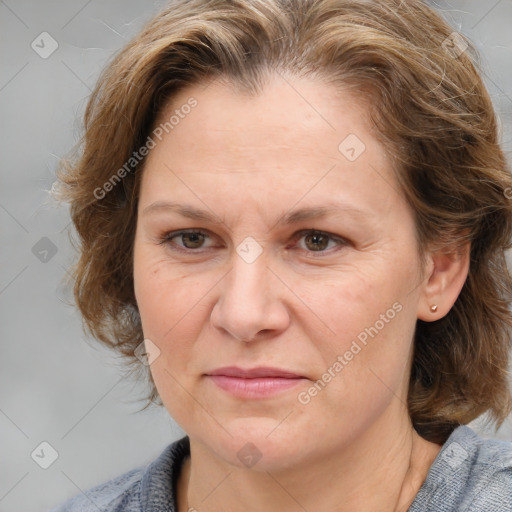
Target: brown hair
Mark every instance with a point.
(434, 117)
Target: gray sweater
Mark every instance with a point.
(470, 474)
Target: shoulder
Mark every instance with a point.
(485, 471)
(149, 487)
(120, 493)
(470, 474)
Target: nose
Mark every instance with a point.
(250, 305)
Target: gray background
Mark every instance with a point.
(56, 385)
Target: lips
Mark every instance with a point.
(254, 373)
(254, 383)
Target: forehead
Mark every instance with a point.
(297, 112)
(297, 138)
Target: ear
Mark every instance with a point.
(446, 274)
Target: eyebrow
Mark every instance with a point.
(290, 218)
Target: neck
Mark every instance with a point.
(381, 471)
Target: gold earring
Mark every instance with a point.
(433, 308)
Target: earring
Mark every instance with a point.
(433, 308)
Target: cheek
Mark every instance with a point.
(347, 303)
(168, 303)
(172, 313)
(365, 369)
(173, 310)
(366, 339)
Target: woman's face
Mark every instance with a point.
(272, 239)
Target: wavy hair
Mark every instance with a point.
(421, 83)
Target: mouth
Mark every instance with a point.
(255, 373)
(254, 383)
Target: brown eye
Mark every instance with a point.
(192, 240)
(320, 242)
(316, 241)
(185, 240)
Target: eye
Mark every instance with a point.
(319, 241)
(193, 240)
(186, 240)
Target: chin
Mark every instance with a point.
(258, 443)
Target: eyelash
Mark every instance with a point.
(167, 238)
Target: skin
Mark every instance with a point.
(249, 161)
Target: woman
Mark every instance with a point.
(295, 213)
